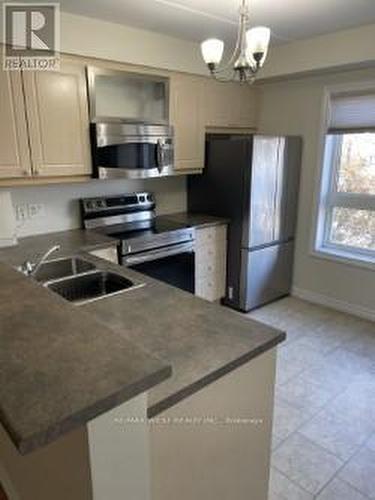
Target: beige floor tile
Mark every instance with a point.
(330, 375)
(335, 435)
(339, 490)
(362, 344)
(305, 463)
(360, 472)
(305, 394)
(281, 488)
(286, 419)
(351, 361)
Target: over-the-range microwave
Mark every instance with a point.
(130, 134)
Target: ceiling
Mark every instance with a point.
(199, 19)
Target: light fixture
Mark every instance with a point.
(249, 53)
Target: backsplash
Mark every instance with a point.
(61, 206)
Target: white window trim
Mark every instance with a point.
(358, 257)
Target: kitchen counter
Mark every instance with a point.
(62, 365)
(196, 220)
(59, 367)
(33, 247)
(200, 340)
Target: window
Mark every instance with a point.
(346, 222)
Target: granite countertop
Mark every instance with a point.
(59, 367)
(196, 220)
(63, 365)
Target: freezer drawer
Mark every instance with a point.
(266, 274)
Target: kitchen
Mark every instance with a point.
(160, 218)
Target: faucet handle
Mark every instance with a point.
(27, 268)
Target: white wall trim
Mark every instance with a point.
(330, 302)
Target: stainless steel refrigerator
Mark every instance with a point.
(254, 182)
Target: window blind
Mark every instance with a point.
(352, 113)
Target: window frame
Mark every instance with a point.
(327, 197)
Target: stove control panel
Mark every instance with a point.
(124, 203)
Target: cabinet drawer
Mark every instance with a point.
(211, 235)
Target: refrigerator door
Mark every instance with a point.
(271, 208)
(266, 274)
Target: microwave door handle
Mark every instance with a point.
(160, 155)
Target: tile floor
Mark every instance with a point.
(324, 421)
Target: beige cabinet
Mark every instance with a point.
(57, 112)
(210, 262)
(186, 100)
(229, 105)
(14, 149)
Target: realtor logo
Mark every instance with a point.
(31, 36)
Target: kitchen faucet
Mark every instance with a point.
(31, 269)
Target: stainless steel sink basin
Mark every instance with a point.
(62, 268)
(91, 286)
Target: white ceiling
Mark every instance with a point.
(200, 19)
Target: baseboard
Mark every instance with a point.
(338, 305)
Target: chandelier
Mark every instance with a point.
(249, 53)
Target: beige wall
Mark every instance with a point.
(295, 107)
(343, 48)
(95, 38)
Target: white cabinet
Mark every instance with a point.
(210, 262)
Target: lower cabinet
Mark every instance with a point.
(215, 444)
(210, 262)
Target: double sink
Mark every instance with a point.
(80, 281)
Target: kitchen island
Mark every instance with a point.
(180, 386)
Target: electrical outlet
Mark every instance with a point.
(36, 210)
(22, 212)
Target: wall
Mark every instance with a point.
(295, 107)
(62, 206)
(335, 50)
(95, 38)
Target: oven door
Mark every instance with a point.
(173, 265)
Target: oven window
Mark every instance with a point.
(176, 270)
(131, 155)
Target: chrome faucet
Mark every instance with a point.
(31, 269)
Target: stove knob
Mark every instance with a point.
(149, 197)
(142, 199)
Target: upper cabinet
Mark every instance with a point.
(57, 112)
(229, 105)
(186, 113)
(14, 149)
(44, 120)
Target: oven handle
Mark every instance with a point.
(160, 253)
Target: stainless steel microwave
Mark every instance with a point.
(133, 151)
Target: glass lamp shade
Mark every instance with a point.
(257, 41)
(212, 51)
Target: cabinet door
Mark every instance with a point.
(14, 146)
(57, 110)
(186, 116)
(229, 105)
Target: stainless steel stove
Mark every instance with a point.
(156, 246)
